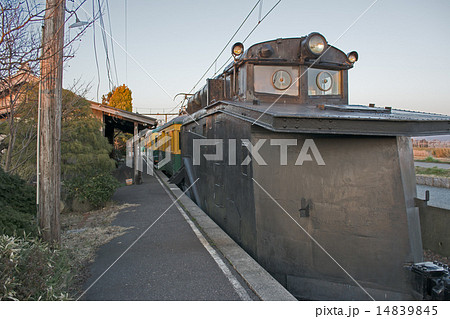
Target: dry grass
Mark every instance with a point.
(83, 233)
(437, 154)
(428, 255)
(441, 152)
(419, 153)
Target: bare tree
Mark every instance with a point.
(20, 74)
(19, 62)
(29, 59)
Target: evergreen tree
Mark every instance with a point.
(83, 146)
(84, 149)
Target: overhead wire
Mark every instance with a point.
(126, 41)
(112, 43)
(248, 35)
(95, 51)
(105, 46)
(214, 63)
(229, 41)
(245, 39)
(226, 46)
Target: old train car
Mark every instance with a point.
(164, 143)
(319, 192)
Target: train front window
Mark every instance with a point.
(276, 79)
(324, 82)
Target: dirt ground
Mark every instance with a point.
(428, 255)
(83, 233)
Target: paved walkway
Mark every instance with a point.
(428, 165)
(168, 262)
(439, 197)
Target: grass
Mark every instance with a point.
(431, 159)
(84, 233)
(441, 172)
(32, 270)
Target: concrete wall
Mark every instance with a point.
(434, 181)
(435, 227)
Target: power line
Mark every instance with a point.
(126, 43)
(135, 61)
(95, 50)
(112, 43)
(259, 22)
(254, 28)
(226, 46)
(248, 35)
(229, 41)
(105, 46)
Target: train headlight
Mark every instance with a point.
(237, 50)
(316, 43)
(352, 56)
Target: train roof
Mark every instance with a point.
(178, 120)
(333, 119)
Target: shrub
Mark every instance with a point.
(96, 188)
(31, 270)
(431, 159)
(83, 147)
(17, 205)
(85, 156)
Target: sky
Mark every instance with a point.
(403, 46)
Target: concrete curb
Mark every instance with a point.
(434, 181)
(256, 277)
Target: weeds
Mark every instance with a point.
(31, 270)
(442, 172)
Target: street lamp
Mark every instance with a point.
(78, 23)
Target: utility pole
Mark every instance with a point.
(50, 121)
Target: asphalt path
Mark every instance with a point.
(429, 165)
(439, 197)
(167, 263)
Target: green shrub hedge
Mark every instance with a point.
(96, 188)
(17, 206)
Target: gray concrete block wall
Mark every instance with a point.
(434, 181)
(435, 226)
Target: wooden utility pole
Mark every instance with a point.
(50, 121)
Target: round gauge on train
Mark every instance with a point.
(281, 80)
(324, 81)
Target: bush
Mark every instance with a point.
(31, 270)
(431, 159)
(85, 156)
(17, 206)
(97, 188)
